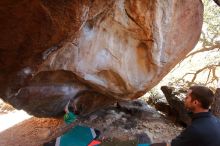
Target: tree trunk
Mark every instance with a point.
(216, 104)
(177, 106)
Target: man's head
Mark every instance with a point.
(199, 98)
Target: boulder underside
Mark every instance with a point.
(91, 53)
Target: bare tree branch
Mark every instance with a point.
(211, 68)
(216, 46)
(210, 79)
(208, 76)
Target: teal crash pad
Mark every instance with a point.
(143, 145)
(77, 136)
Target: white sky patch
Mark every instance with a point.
(12, 118)
(218, 86)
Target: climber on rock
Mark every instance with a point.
(70, 116)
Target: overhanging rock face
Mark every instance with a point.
(92, 53)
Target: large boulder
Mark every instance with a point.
(91, 53)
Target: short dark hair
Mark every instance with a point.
(203, 94)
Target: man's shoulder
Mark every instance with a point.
(207, 121)
(206, 126)
(215, 118)
(216, 122)
(209, 118)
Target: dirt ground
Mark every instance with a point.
(113, 122)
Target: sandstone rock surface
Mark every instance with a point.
(93, 53)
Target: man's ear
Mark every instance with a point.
(196, 102)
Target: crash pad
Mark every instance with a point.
(77, 136)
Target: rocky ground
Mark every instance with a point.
(123, 121)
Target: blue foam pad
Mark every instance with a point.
(77, 136)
